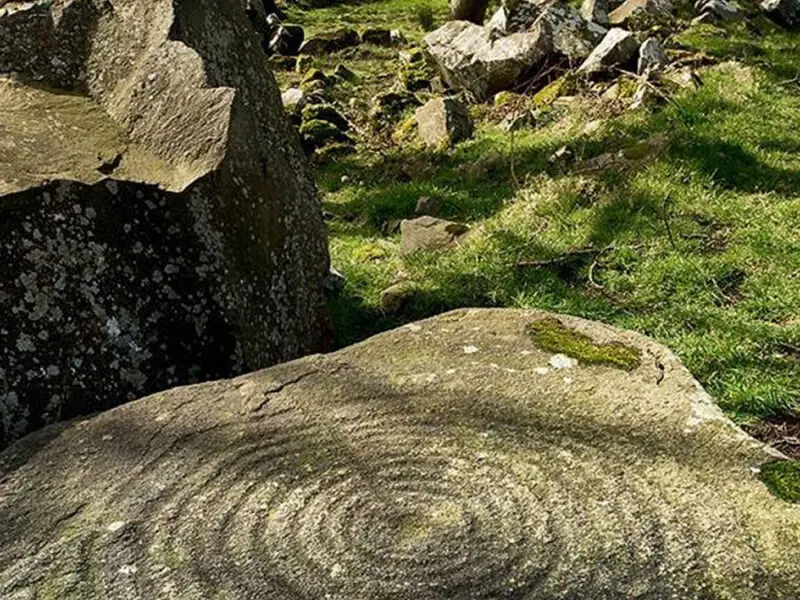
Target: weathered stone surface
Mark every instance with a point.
(451, 458)
(596, 11)
(429, 233)
(569, 33)
(652, 57)
(332, 41)
(443, 121)
(468, 58)
(617, 48)
(643, 10)
(160, 225)
(786, 12)
(293, 100)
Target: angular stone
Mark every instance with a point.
(429, 233)
(512, 454)
(332, 41)
(443, 122)
(286, 40)
(377, 37)
(720, 10)
(652, 57)
(595, 11)
(617, 48)
(160, 223)
(652, 10)
(468, 58)
(498, 24)
(786, 12)
(293, 100)
(388, 105)
(326, 112)
(570, 34)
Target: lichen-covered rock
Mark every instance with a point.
(617, 48)
(469, 58)
(569, 33)
(377, 37)
(480, 454)
(326, 112)
(160, 225)
(443, 122)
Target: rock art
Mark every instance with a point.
(480, 454)
(160, 224)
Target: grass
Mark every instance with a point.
(783, 478)
(698, 247)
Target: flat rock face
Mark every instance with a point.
(160, 225)
(452, 458)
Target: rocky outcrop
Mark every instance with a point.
(480, 454)
(160, 225)
(469, 58)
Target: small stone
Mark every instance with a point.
(652, 57)
(429, 233)
(786, 12)
(334, 282)
(293, 100)
(333, 41)
(444, 122)
(345, 74)
(596, 11)
(286, 40)
(326, 112)
(641, 10)
(394, 298)
(562, 361)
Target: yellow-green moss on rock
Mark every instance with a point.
(552, 335)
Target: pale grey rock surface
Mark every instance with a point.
(452, 458)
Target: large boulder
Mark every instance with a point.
(480, 454)
(469, 58)
(570, 34)
(160, 225)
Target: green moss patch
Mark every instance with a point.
(552, 335)
(783, 479)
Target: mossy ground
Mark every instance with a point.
(698, 247)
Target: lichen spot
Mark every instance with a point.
(783, 479)
(553, 336)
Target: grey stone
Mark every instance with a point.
(331, 41)
(293, 100)
(498, 24)
(397, 296)
(720, 10)
(286, 40)
(570, 34)
(397, 37)
(334, 282)
(786, 12)
(617, 48)
(443, 122)
(652, 57)
(429, 233)
(326, 112)
(595, 11)
(160, 222)
(454, 457)
(388, 105)
(643, 10)
(469, 59)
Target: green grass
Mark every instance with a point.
(783, 478)
(698, 247)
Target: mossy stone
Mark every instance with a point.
(552, 335)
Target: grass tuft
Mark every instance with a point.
(783, 479)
